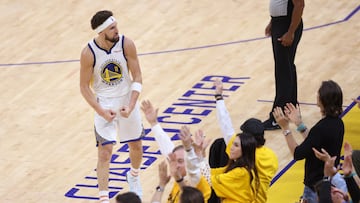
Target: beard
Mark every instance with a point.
(113, 40)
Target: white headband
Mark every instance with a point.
(105, 24)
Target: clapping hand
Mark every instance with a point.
(293, 113)
(281, 119)
(150, 112)
(201, 143)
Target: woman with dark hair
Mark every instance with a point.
(191, 195)
(238, 180)
(327, 133)
(330, 99)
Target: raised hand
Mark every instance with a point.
(218, 86)
(150, 112)
(347, 149)
(200, 143)
(163, 174)
(185, 136)
(323, 155)
(347, 166)
(293, 113)
(281, 118)
(329, 169)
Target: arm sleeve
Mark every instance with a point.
(224, 120)
(305, 148)
(163, 140)
(205, 170)
(193, 167)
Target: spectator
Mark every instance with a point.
(265, 159)
(191, 195)
(187, 168)
(328, 133)
(238, 181)
(326, 191)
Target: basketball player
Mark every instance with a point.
(111, 81)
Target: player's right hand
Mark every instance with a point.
(108, 115)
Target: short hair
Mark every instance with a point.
(254, 127)
(191, 195)
(99, 18)
(128, 197)
(178, 148)
(331, 98)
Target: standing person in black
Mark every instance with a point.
(327, 134)
(285, 29)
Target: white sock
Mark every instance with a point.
(104, 196)
(134, 172)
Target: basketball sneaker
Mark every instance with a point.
(270, 124)
(134, 183)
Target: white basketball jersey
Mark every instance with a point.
(111, 75)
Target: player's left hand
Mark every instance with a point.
(125, 111)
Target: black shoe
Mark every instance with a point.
(270, 124)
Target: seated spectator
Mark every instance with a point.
(188, 194)
(187, 163)
(238, 181)
(327, 191)
(265, 159)
(191, 195)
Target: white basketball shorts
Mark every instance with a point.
(126, 129)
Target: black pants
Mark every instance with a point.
(284, 57)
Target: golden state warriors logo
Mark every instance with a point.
(111, 72)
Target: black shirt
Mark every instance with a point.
(328, 134)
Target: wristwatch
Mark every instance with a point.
(159, 189)
(326, 178)
(287, 132)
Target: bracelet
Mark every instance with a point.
(180, 180)
(301, 128)
(218, 97)
(350, 175)
(159, 189)
(188, 150)
(286, 132)
(326, 178)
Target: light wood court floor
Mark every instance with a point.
(47, 147)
